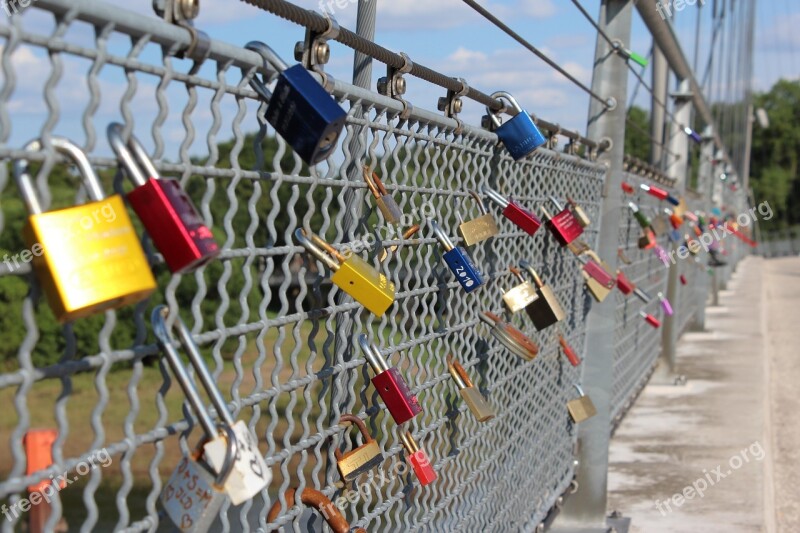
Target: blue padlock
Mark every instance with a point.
(458, 260)
(519, 135)
(300, 110)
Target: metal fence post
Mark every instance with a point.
(658, 114)
(704, 183)
(587, 508)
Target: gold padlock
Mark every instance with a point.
(478, 229)
(546, 310)
(471, 395)
(596, 274)
(91, 257)
(352, 274)
(362, 459)
(581, 216)
(581, 408)
(520, 296)
(578, 247)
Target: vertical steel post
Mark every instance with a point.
(587, 507)
(658, 114)
(704, 183)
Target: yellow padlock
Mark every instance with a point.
(91, 258)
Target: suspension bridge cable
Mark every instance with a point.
(514, 35)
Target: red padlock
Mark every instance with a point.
(419, 460)
(166, 211)
(570, 354)
(598, 273)
(564, 226)
(524, 219)
(627, 187)
(394, 391)
(683, 280)
(661, 194)
(624, 285)
(650, 319)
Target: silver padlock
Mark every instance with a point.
(194, 493)
(250, 473)
(385, 202)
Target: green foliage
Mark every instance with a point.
(637, 143)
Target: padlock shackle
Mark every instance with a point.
(134, 157)
(556, 203)
(529, 267)
(643, 296)
(231, 451)
(545, 212)
(362, 428)
(441, 235)
(458, 373)
(374, 183)
(408, 442)
(373, 355)
(502, 95)
(158, 320)
(314, 499)
(580, 390)
(481, 207)
(514, 270)
(301, 235)
(495, 196)
(70, 150)
(270, 58)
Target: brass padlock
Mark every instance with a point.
(522, 295)
(546, 310)
(471, 395)
(314, 499)
(392, 213)
(580, 214)
(578, 247)
(362, 459)
(91, 257)
(351, 274)
(596, 274)
(581, 408)
(478, 229)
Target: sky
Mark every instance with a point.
(446, 35)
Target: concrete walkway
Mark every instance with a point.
(722, 453)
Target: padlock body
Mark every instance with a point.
(477, 404)
(520, 135)
(422, 467)
(91, 258)
(173, 224)
(520, 297)
(570, 354)
(361, 460)
(523, 346)
(648, 240)
(564, 227)
(676, 221)
(391, 211)
(190, 497)
(393, 389)
(653, 321)
(581, 409)
(250, 473)
(599, 274)
(624, 284)
(465, 271)
(683, 280)
(524, 219)
(305, 115)
(478, 229)
(546, 310)
(598, 291)
(366, 285)
(581, 216)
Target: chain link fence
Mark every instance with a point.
(278, 337)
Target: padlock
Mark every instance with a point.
(195, 492)
(249, 474)
(91, 257)
(567, 350)
(521, 217)
(164, 208)
(578, 247)
(665, 305)
(392, 213)
(650, 319)
(519, 135)
(546, 310)
(626, 287)
(681, 208)
(458, 260)
(581, 216)
(471, 395)
(683, 279)
(402, 405)
(640, 217)
(596, 274)
(581, 408)
(301, 111)
(314, 499)
(627, 188)
(661, 194)
(647, 240)
(662, 254)
(480, 228)
(675, 220)
(513, 339)
(564, 226)
(352, 274)
(361, 459)
(520, 296)
(419, 459)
